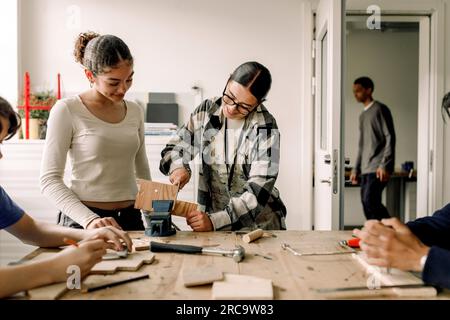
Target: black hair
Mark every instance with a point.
(7, 112)
(446, 105)
(97, 53)
(255, 76)
(365, 82)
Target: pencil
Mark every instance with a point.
(70, 242)
(113, 284)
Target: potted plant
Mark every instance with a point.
(38, 118)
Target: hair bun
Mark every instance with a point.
(81, 44)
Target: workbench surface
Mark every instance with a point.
(293, 277)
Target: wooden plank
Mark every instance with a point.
(382, 276)
(141, 244)
(152, 190)
(182, 208)
(292, 277)
(301, 275)
(242, 287)
(133, 262)
(201, 276)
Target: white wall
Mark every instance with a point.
(391, 60)
(8, 50)
(179, 43)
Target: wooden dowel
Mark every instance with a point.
(252, 236)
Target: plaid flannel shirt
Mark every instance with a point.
(259, 160)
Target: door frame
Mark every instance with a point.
(435, 9)
(431, 92)
(329, 22)
(424, 112)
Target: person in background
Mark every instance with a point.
(239, 145)
(422, 245)
(14, 220)
(103, 134)
(376, 149)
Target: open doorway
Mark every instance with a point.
(392, 57)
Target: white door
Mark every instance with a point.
(328, 159)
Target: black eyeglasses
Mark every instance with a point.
(239, 106)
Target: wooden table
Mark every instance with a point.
(293, 277)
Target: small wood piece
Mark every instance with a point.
(141, 244)
(201, 276)
(182, 208)
(237, 287)
(252, 236)
(114, 255)
(132, 263)
(152, 190)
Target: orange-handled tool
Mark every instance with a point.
(71, 242)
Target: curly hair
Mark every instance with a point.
(100, 52)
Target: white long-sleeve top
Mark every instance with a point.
(106, 158)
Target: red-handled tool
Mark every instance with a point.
(352, 243)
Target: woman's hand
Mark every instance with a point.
(180, 176)
(390, 243)
(85, 256)
(103, 222)
(199, 221)
(112, 235)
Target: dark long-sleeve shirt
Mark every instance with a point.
(376, 148)
(434, 232)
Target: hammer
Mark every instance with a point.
(237, 253)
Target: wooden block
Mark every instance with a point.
(132, 263)
(152, 190)
(141, 244)
(182, 208)
(380, 276)
(237, 287)
(201, 276)
(114, 255)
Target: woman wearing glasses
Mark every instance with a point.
(238, 143)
